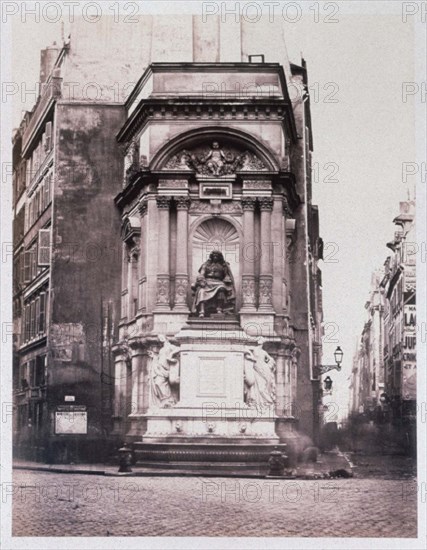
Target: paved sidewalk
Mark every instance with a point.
(327, 462)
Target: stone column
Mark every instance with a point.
(249, 255)
(181, 278)
(142, 258)
(120, 389)
(163, 267)
(135, 384)
(136, 404)
(288, 405)
(266, 265)
(293, 365)
(144, 391)
(280, 383)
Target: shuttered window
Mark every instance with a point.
(32, 319)
(27, 266)
(48, 137)
(27, 323)
(42, 314)
(44, 247)
(36, 316)
(34, 269)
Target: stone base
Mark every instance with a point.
(238, 457)
(212, 420)
(169, 322)
(258, 324)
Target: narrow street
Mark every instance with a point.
(51, 504)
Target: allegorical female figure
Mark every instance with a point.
(214, 286)
(159, 374)
(260, 377)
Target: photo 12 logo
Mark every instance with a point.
(252, 12)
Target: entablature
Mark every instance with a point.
(208, 109)
(189, 184)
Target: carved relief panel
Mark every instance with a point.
(216, 159)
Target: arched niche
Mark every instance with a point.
(216, 233)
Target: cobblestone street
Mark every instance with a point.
(50, 504)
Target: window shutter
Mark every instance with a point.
(42, 314)
(27, 266)
(36, 315)
(32, 320)
(27, 323)
(49, 188)
(23, 174)
(37, 203)
(21, 268)
(48, 137)
(34, 270)
(42, 195)
(44, 247)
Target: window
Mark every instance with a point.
(44, 247)
(47, 190)
(32, 319)
(22, 416)
(39, 379)
(23, 375)
(48, 137)
(27, 265)
(34, 268)
(17, 273)
(41, 328)
(23, 170)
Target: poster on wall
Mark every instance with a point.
(71, 420)
(409, 357)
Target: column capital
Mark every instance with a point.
(163, 202)
(182, 203)
(142, 207)
(248, 203)
(266, 203)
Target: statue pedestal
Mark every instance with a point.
(211, 418)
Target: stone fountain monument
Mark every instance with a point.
(209, 360)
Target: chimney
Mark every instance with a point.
(48, 57)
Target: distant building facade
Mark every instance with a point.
(367, 383)
(98, 212)
(383, 382)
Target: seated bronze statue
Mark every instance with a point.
(214, 290)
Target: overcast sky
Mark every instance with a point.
(367, 134)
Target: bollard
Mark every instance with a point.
(276, 463)
(125, 459)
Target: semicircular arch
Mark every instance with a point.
(199, 136)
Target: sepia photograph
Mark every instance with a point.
(213, 227)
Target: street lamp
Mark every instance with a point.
(328, 383)
(323, 369)
(338, 356)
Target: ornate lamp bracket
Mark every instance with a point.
(323, 369)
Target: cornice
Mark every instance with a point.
(205, 109)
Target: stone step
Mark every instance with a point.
(200, 453)
(211, 441)
(205, 466)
